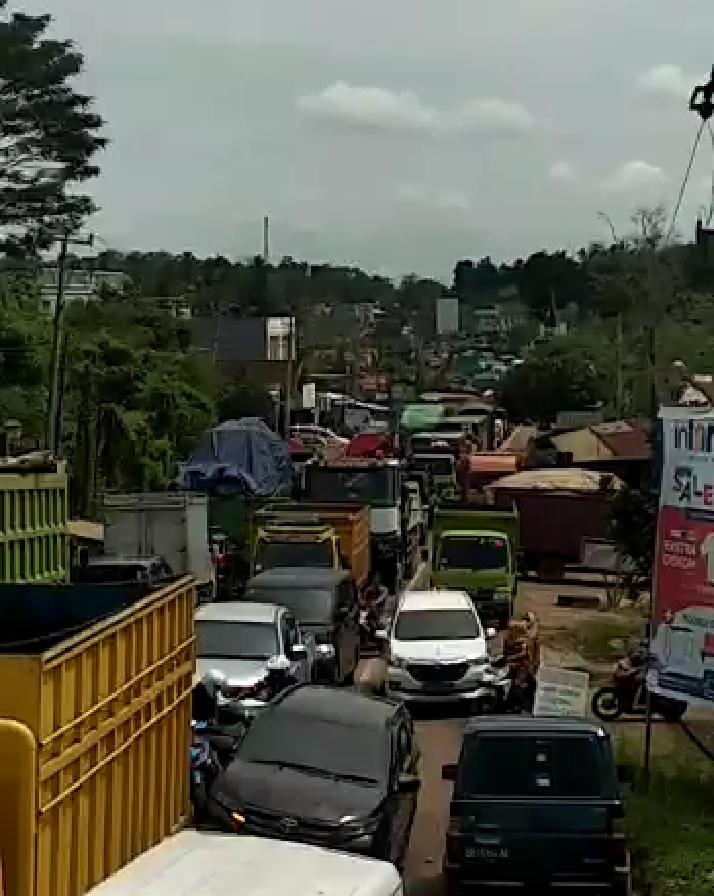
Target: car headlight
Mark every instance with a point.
(325, 651)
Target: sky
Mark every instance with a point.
(399, 135)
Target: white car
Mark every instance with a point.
(437, 648)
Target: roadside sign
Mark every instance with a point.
(561, 692)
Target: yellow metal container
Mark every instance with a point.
(104, 758)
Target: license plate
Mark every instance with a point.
(486, 852)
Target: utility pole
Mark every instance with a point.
(54, 414)
(289, 378)
(266, 239)
(620, 398)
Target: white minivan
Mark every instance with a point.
(437, 647)
(196, 863)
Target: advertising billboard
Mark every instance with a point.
(447, 316)
(683, 644)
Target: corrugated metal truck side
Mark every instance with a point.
(95, 707)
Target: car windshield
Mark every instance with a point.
(528, 766)
(286, 738)
(244, 640)
(436, 625)
(272, 554)
(311, 606)
(375, 486)
(474, 552)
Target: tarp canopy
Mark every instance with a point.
(417, 417)
(239, 456)
(564, 479)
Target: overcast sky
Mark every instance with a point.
(396, 134)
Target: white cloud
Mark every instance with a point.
(436, 200)
(665, 80)
(378, 108)
(635, 176)
(369, 107)
(491, 115)
(563, 171)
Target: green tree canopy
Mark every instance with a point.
(48, 133)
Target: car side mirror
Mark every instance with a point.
(448, 771)
(491, 633)
(381, 634)
(408, 783)
(298, 652)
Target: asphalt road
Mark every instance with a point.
(439, 741)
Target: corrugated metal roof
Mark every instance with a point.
(570, 479)
(626, 439)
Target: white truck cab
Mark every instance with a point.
(196, 863)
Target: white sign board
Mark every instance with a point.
(561, 692)
(309, 395)
(447, 316)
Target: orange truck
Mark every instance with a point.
(333, 536)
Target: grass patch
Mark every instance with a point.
(594, 639)
(671, 825)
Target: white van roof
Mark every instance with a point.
(435, 599)
(196, 863)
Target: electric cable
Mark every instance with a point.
(685, 180)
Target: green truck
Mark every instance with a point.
(475, 550)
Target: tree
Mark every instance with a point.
(48, 134)
(551, 381)
(634, 526)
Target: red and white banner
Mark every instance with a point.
(683, 643)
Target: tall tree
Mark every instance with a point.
(48, 134)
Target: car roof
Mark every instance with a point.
(238, 611)
(435, 600)
(297, 577)
(195, 861)
(345, 707)
(537, 724)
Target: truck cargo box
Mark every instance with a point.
(351, 525)
(554, 523)
(95, 708)
(172, 525)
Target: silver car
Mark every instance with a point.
(240, 644)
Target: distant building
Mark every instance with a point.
(79, 286)
(258, 345)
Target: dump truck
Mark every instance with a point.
(394, 547)
(312, 534)
(476, 550)
(95, 729)
(171, 525)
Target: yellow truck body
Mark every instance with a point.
(94, 730)
(349, 524)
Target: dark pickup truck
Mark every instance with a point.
(536, 807)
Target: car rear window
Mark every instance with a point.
(530, 766)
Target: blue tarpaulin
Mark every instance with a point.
(239, 456)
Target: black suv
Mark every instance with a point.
(326, 766)
(536, 804)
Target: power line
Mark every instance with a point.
(685, 180)
(711, 198)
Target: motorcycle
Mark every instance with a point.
(627, 695)
(494, 691)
